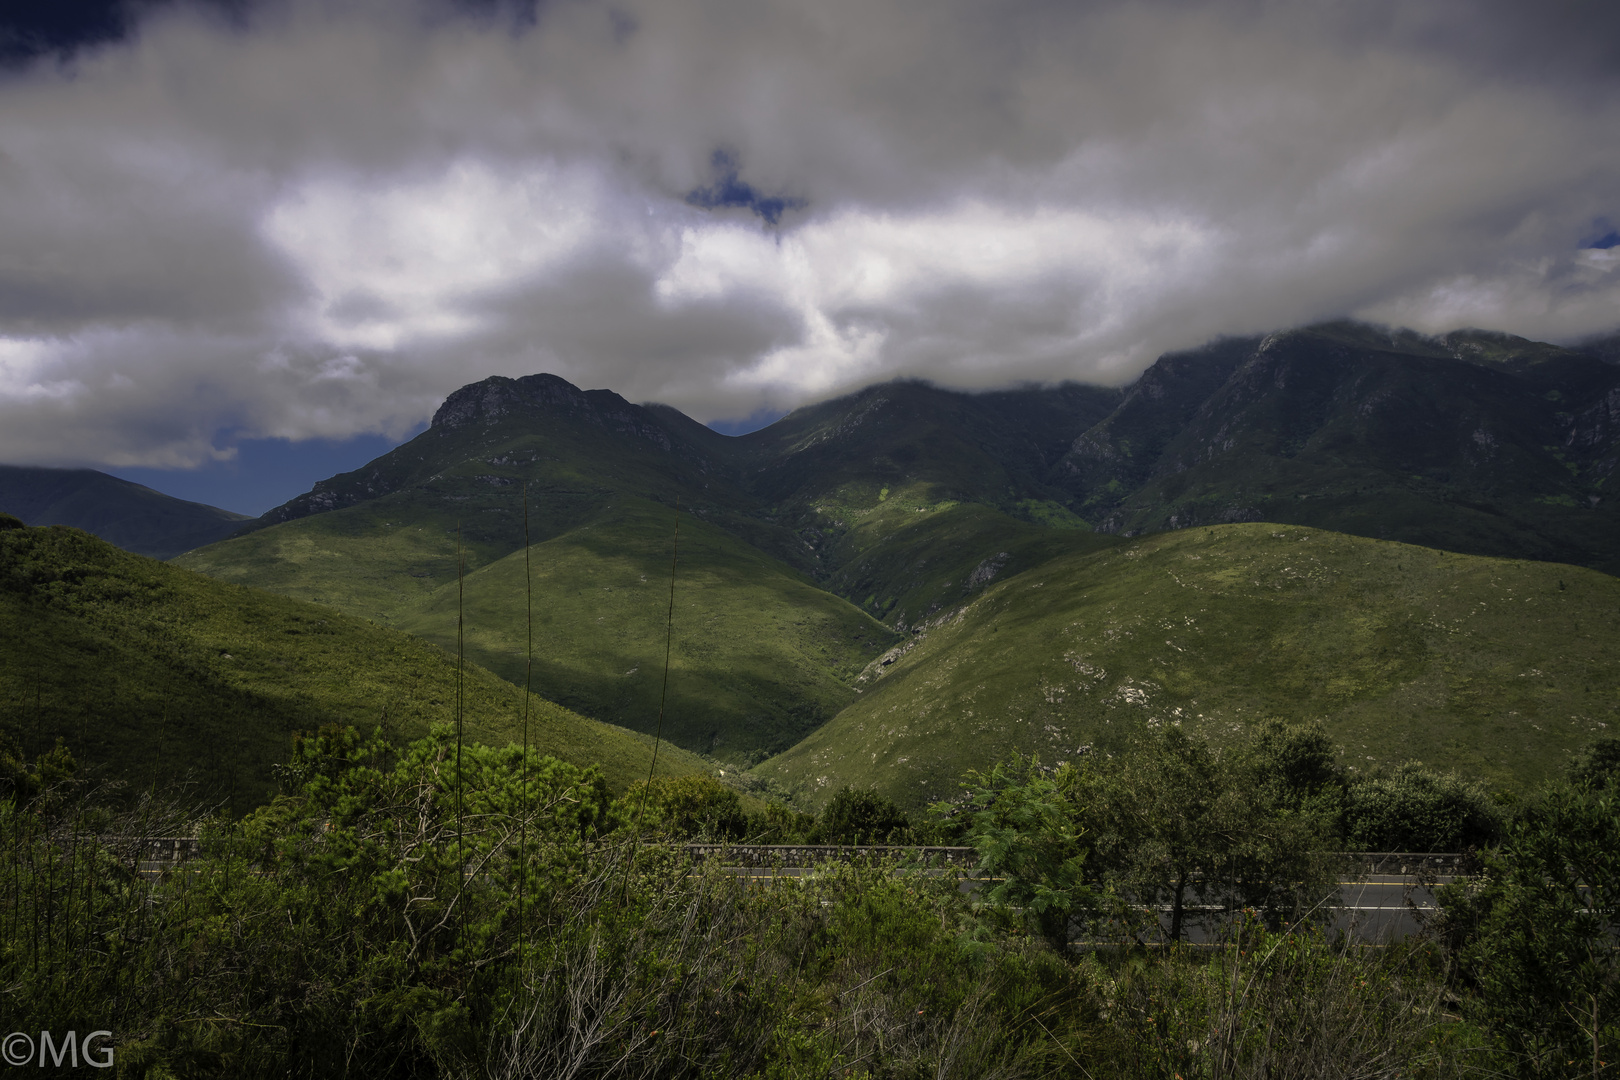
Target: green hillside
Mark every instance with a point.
(158, 674)
(907, 501)
(760, 657)
(1497, 667)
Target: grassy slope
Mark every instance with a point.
(157, 672)
(761, 656)
(1499, 667)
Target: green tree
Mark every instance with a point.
(861, 816)
(1032, 851)
(1183, 827)
(1534, 934)
(1164, 821)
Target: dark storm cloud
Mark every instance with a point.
(316, 217)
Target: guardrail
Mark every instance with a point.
(1412, 863)
(157, 853)
(803, 855)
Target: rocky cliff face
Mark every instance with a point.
(1357, 428)
(498, 398)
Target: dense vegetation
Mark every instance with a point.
(162, 677)
(1500, 668)
(437, 909)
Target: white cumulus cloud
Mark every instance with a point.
(318, 219)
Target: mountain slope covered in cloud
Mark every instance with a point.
(1471, 442)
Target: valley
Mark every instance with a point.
(890, 587)
(1339, 523)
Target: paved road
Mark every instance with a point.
(1377, 909)
(1386, 906)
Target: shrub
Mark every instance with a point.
(1535, 935)
(689, 808)
(1273, 1005)
(1597, 766)
(855, 816)
(1413, 808)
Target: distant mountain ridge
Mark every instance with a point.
(133, 517)
(820, 545)
(1474, 442)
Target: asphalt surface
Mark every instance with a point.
(1377, 909)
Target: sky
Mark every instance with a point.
(245, 243)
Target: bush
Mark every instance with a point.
(1277, 1006)
(779, 824)
(854, 816)
(1597, 766)
(697, 808)
(1413, 808)
(1535, 935)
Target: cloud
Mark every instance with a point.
(316, 217)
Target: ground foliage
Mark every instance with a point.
(450, 909)
(1535, 933)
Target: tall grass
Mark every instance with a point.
(1284, 1006)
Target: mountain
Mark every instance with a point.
(157, 674)
(135, 518)
(1498, 667)
(849, 531)
(762, 656)
(1473, 442)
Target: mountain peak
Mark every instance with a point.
(496, 396)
